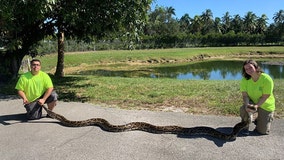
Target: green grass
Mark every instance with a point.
(191, 96)
(97, 58)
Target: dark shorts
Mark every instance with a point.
(34, 110)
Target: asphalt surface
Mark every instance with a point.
(46, 139)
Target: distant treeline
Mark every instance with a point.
(164, 31)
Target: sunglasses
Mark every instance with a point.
(35, 64)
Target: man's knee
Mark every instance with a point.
(51, 105)
(53, 97)
(264, 121)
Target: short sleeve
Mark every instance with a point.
(243, 85)
(268, 85)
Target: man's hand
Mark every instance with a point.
(25, 101)
(23, 96)
(41, 101)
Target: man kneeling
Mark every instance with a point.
(36, 88)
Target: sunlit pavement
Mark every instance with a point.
(46, 139)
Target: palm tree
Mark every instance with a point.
(185, 21)
(169, 12)
(250, 22)
(218, 25)
(196, 24)
(279, 23)
(262, 24)
(237, 23)
(207, 21)
(279, 17)
(226, 20)
(207, 16)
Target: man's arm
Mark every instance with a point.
(249, 107)
(23, 96)
(245, 98)
(45, 96)
(261, 100)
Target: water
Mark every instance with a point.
(216, 70)
(205, 70)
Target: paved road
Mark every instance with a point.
(45, 139)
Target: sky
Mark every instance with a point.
(220, 7)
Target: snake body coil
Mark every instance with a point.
(147, 127)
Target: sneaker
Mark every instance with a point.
(245, 132)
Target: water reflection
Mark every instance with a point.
(215, 70)
(205, 70)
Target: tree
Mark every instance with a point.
(279, 23)
(237, 23)
(84, 19)
(279, 17)
(217, 25)
(207, 21)
(275, 31)
(184, 22)
(250, 22)
(226, 20)
(26, 22)
(196, 24)
(161, 22)
(22, 27)
(261, 24)
(170, 11)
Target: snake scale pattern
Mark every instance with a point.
(147, 127)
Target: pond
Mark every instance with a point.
(216, 70)
(204, 70)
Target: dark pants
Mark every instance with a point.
(34, 110)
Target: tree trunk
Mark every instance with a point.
(9, 65)
(60, 59)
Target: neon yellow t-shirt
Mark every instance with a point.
(264, 85)
(34, 86)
